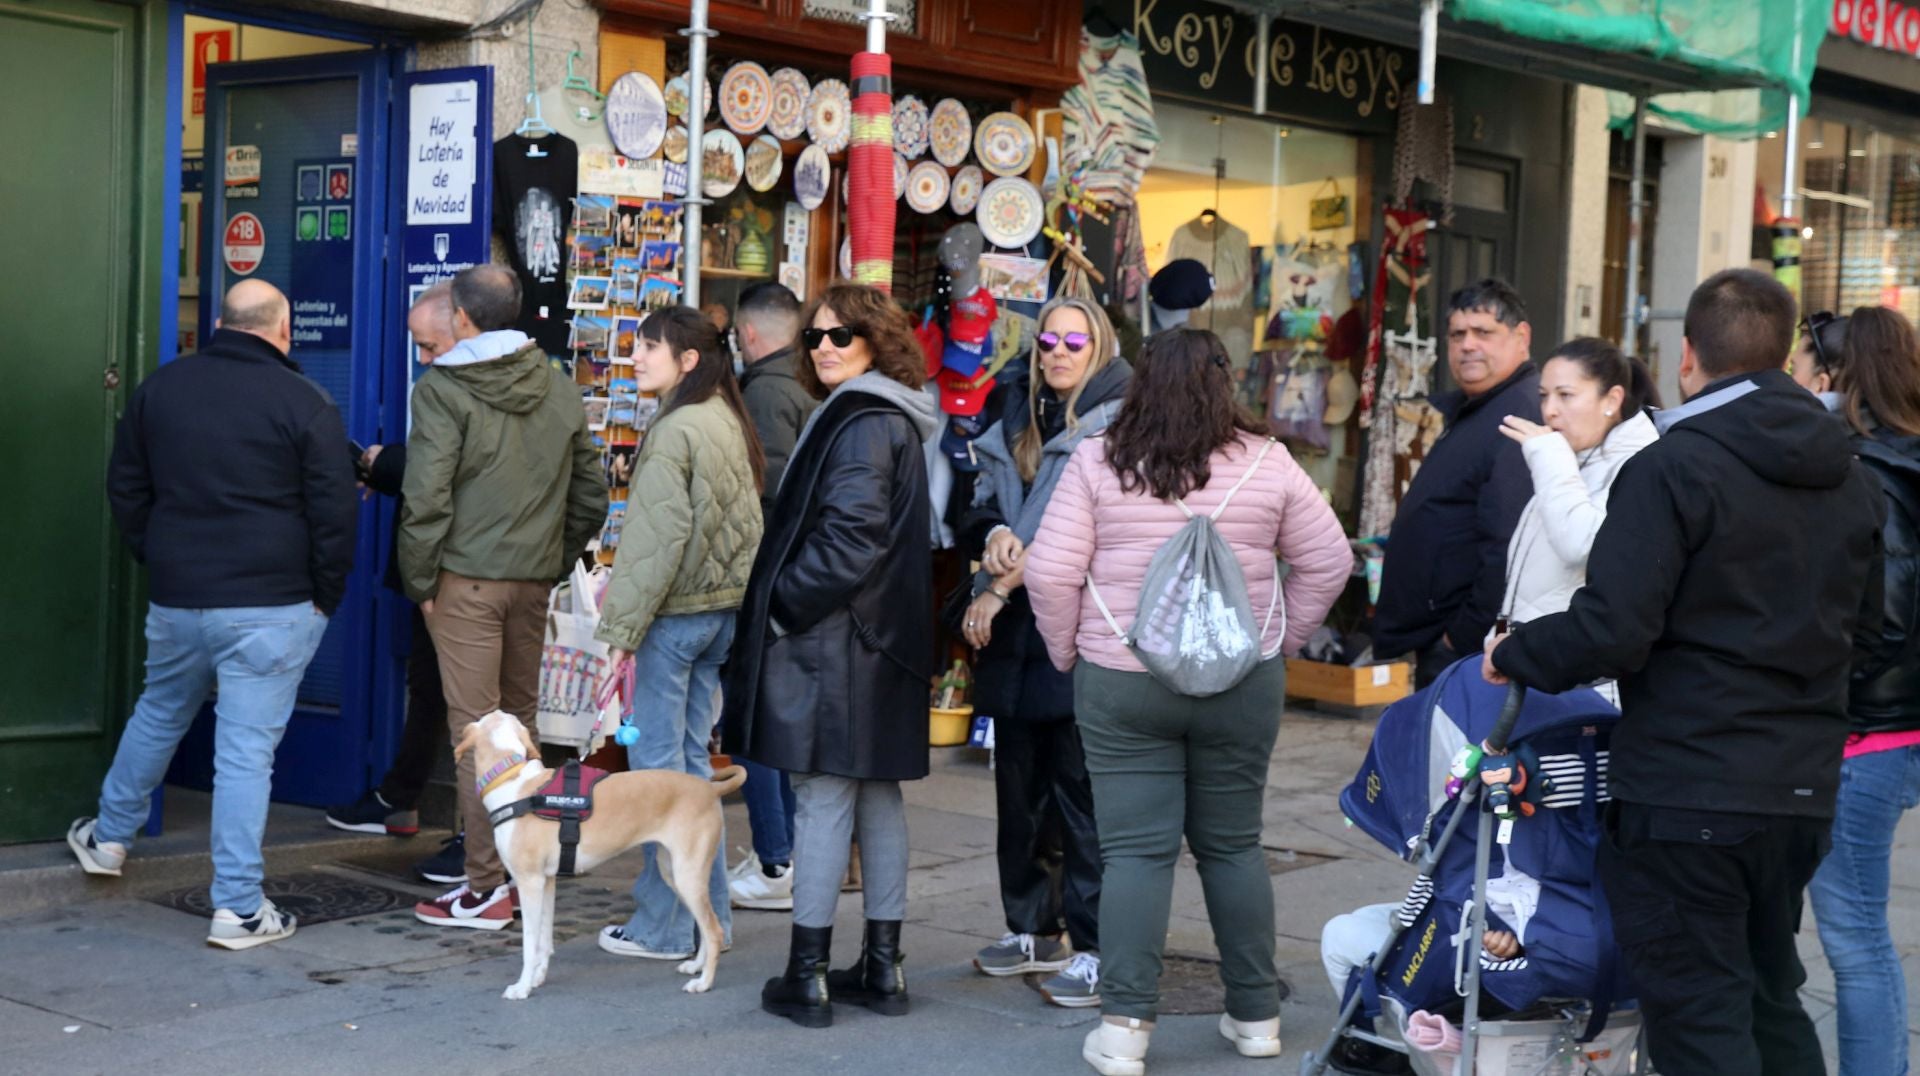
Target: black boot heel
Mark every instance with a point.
(879, 980)
(802, 994)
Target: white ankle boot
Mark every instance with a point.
(1257, 1038)
(1118, 1049)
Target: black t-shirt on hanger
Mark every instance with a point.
(532, 207)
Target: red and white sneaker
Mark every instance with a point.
(465, 908)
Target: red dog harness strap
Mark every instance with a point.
(567, 798)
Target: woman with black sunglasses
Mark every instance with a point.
(1815, 364)
(834, 646)
(1073, 387)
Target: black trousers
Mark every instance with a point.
(1040, 776)
(1705, 908)
(423, 739)
(1429, 663)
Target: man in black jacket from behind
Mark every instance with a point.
(1739, 562)
(232, 482)
(1445, 571)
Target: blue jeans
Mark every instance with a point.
(769, 796)
(1849, 895)
(256, 656)
(678, 670)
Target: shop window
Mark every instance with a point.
(1859, 212)
(1480, 188)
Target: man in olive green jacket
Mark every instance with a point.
(503, 491)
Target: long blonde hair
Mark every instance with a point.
(1031, 440)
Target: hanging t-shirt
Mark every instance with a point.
(532, 207)
(1228, 255)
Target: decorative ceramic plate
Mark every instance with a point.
(1010, 212)
(764, 161)
(675, 96)
(910, 126)
(830, 115)
(675, 144)
(1004, 144)
(899, 176)
(746, 97)
(721, 163)
(846, 258)
(789, 116)
(636, 116)
(950, 130)
(927, 187)
(966, 190)
(811, 173)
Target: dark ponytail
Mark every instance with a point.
(1601, 361)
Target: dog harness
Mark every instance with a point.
(566, 799)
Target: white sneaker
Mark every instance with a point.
(615, 940)
(1258, 1038)
(95, 856)
(1117, 1049)
(269, 924)
(760, 891)
(740, 869)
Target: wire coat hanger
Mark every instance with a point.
(535, 125)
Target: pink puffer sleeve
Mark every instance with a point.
(1059, 557)
(1313, 544)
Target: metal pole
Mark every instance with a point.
(1476, 927)
(1790, 166)
(1429, 47)
(696, 34)
(1263, 42)
(1636, 203)
(877, 25)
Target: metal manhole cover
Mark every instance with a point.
(1189, 986)
(311, 896)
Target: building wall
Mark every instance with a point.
(1704, 226)
(1586, 218)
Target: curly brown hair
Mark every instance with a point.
(875, 318)
(1179, 408)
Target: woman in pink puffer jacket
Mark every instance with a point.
(1166, 765)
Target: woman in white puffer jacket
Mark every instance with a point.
(1594, 401)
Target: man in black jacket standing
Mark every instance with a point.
(232, 482)
(1445, 570)
(1739, 561)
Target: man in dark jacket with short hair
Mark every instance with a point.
(1445, 571)
(1739, 561)
(232, 482)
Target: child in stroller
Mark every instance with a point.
(1518, 880)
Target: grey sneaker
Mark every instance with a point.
(269, 924)
(95, 856)
(1076, 987)
(1018, 954)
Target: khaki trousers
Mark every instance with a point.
(489, 633)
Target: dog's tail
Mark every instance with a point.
(727, 778)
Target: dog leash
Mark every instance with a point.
(620, 683)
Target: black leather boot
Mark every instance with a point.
(879, 980)
(801, 995)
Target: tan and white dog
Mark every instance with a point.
(679, 811)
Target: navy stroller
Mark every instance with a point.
(1535, 834)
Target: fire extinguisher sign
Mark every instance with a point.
(244, 243)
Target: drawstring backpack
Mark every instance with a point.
(1194, 629)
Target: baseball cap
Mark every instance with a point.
(965, 358)
(956, 440)
(971, 317)
(962, 395)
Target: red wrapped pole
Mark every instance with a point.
(871, 200)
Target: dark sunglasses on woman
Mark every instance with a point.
(1811, 325)
(1076, 342)
(841, 335)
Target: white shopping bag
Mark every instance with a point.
(573, 664)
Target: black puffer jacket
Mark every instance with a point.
(1885, 694)
(833, 657)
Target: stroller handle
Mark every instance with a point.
(1509, 716)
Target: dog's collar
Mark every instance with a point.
(499, 773)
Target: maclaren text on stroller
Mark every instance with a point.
(1530, 770)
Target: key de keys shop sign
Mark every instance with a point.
(1893, 25)
(1210, 54)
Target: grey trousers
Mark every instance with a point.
(827, 812)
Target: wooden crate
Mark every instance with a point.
(1347, 685)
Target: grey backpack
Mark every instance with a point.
(1194, 629)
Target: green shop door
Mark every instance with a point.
(75, 277)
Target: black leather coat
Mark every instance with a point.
(1885, 693)
(846, 571)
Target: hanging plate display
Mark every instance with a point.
(636, 116)
(675, 144)
(1010, 212)
(830, 115)
(927, 187)
(764, 161)
(788, 118)
(846, 258)
(746, 97)
(950, 132)
(675, 96)
(1004, 144)
(810, 175)
(899, 176)
(966, 189)
(910, 126)
(721, 163)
